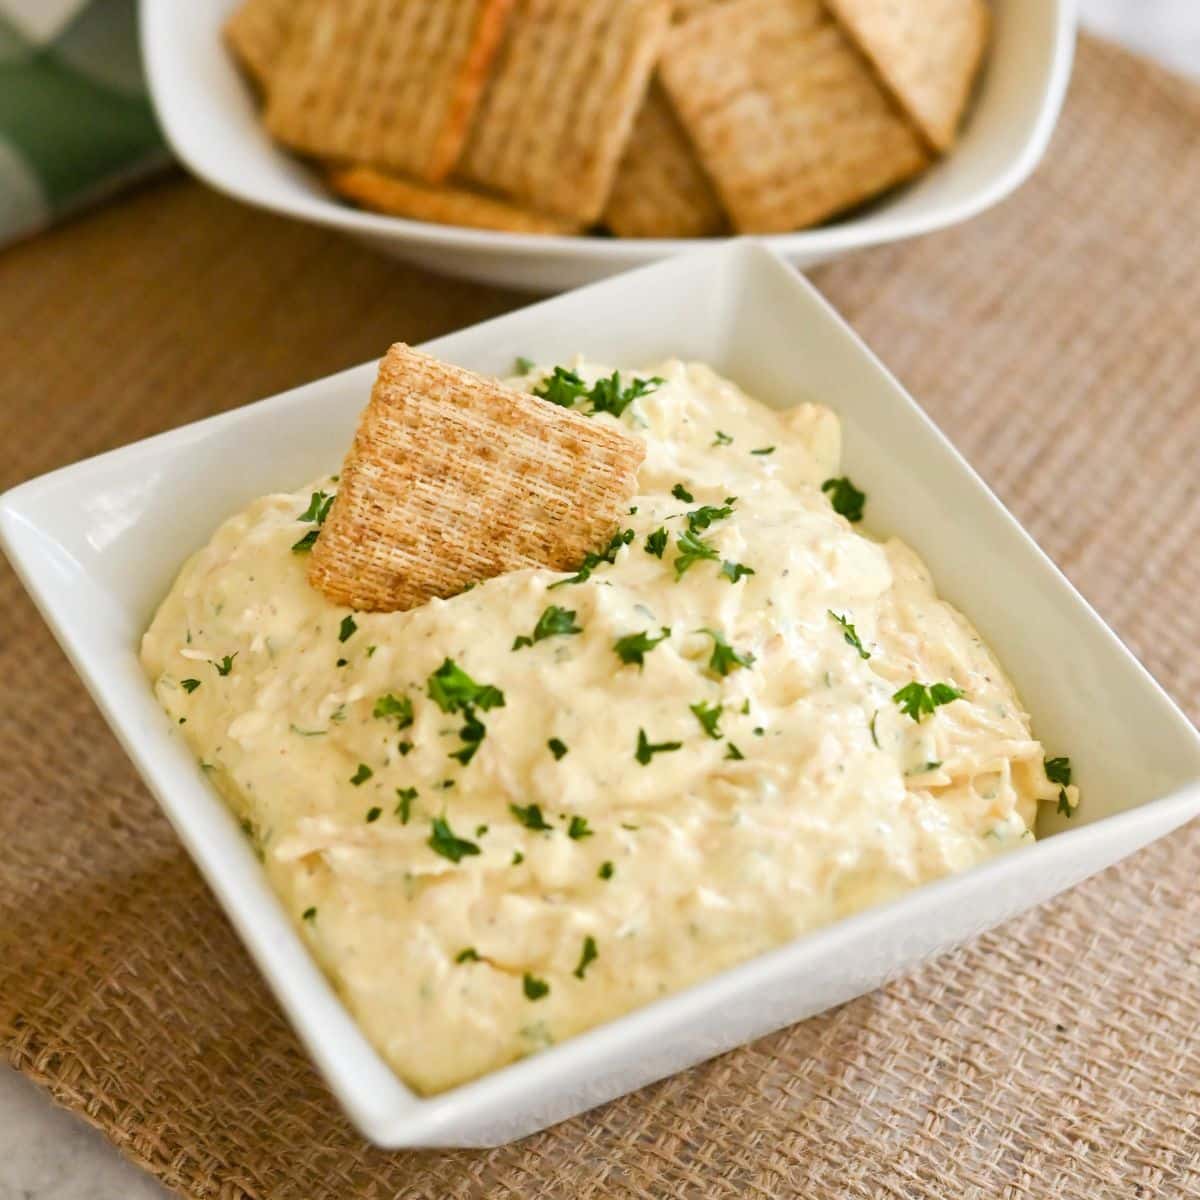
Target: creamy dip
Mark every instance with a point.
(480, 880)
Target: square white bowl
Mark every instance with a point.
(98, 544)
(210, 118)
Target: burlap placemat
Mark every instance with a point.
(1054, 339)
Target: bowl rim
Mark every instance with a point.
(875, 228)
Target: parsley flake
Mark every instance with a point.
(530, 815)
(524, 365)
(453, 690)
(309, 914)
(405, 796)
(472, 733)
(347, 629)
(318, 508)
(1058, 770)
(557, 747)
(845, 498)
(606, 871)
(724, 657)
(400, 707)
(226, 664)
(189, 685)
(633, 647)
(656, 542)
(533, 987)
(709, 716)
(722, 439)
(554, 622)
(517, 858)
(692, 549)
(918, 700)
(578, 829)
(681, 493)
(591, 561)
(850, 634)
(469, 954)
(647, 749)
(587, 956)
(701, 518)
(442, 840)
(562, 387)
(361, 775)
(764, 450)
(373, 815)
(607, 395)
(306, 543)
(733, 571)
(732, 752)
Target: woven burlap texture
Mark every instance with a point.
(1054, 339)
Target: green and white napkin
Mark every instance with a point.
(75, 120)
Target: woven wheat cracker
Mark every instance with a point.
(391, 83)
(559, 108)
(454, 478)
(787, 118)
(660, 189)
(440, 203)
(257, 31)
(926, 51)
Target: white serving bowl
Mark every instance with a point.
(98, 544)
(209, 116)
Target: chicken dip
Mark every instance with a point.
(505, 817)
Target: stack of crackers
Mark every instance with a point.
(645, 118)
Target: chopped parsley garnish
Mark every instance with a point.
(850, 634)
(722, 439)
(309, 914)
(647, 749)
(373, 814)
(318, 508)
(709, 716)
(554, 622)
(918, 700)
(608, 396)
(404, 748)
(734, 571)
(524, 365)
(361, 775)
(633, 647)
(517, 858)
(845, 498)
(606, 871)
(534, 988)
(1058, 770)
(681, 493)
(692, 549)
(557, 747)
(724, 657)
(405, 796)
(731, 751)
(530, 815)
(562, 387)
(468, 954)
(371, 650)
(565, 388)
(701, 518)
(587, 956)
(189, 685)
(343, 662)
(400, 707)
(578, 829)
(347, 629)
(656, 542)
(480, 830)
(591, 561)
(226, 664)
(306, 543)
(453, 690)
(472, 733)
(443, 841)
(874, 736)
(764, 450)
